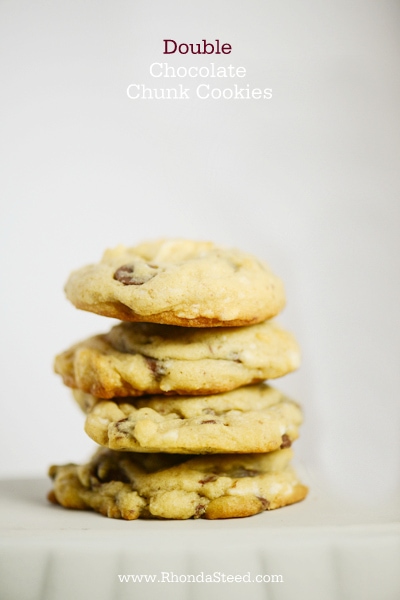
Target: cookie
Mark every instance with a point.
(252, 419)
(130, 486)
(178, 282)
(146, 358)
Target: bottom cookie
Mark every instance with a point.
(125, 485)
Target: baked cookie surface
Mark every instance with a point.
(134, 359)
(130, 486)
(178, 282)
(255, 418)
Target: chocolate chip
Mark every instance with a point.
(200, 510)
(235, 357)
(127, 275)
(209, 421)
(156, 367)
(286, 441)
(264, 502)
(208, 479)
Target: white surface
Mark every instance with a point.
(321, 548)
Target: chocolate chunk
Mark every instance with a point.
(200, 510)
(235, 357)
(127, 275)
(208, 479)
(286, 441)
(156, 367)
(264, 502)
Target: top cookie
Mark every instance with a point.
(178, 282)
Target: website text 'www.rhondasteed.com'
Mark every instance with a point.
(216, 577)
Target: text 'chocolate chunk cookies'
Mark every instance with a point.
(178, 282)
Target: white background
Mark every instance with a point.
(309, 181)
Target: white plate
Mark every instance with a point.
(320, 549)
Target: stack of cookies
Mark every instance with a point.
(175, 394)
